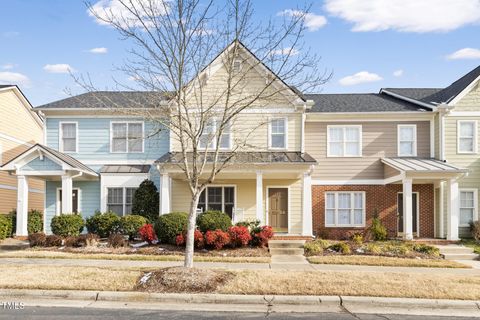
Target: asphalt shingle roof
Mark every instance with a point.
(360, 102)
(6, 85)
(109, 99)
(427, 95)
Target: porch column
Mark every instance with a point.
(259, 197)
(67, 203)
(164, 193)
(22, 206)
(407, 210)
(453, 210)
(307, 205)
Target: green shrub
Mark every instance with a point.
(67, 224)
(5, 226)
(168, 226)
(103, 224)
(213, 220)
(37, 239)
(475, 229)
(315, 247)
(373, 248)
(341, 247)
(378, 230)
(130, 224)
(35, 221)
(146, 200)
(426, 249)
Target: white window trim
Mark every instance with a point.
(352, 209)
(127, 122)
(360, 142)
(58, 209)
(285, 119)
(124, 197)
(401, 126)
(234, 186)
(475, 133)
(475, 204)
(60, 136)
(214, 140)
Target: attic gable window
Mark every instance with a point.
(237, 65)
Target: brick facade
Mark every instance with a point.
(381, 198)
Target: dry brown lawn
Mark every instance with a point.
(385, 261)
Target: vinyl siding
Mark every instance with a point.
(246, 198)
(44, 164)
(471, 101)
(379, 139)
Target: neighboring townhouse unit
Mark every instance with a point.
(20, 128)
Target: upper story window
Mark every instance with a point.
(209, 136)
(278, 133)
(68, 137)
(467, 136)
(126, 137)
(407, 140)
(344, 141)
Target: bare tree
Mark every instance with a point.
(192, 58)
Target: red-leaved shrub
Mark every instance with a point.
(239, 236)
(261, 238)
(147, 233)
(198, 239)
(217, 239)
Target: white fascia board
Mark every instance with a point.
(420, 103)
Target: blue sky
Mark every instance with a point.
(368, 44)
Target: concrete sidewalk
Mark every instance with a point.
(242, 303)
(235, 266)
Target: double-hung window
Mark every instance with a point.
(208, 139)
(119, 200)
(68, 137)
(220, 198)
(344, 141)
(407, 140)
(467, 136)
(344, 209)
(468, 206)
(278, 133)
(127, 137)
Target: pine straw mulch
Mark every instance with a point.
(183, 280)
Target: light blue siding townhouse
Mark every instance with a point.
(96, 153)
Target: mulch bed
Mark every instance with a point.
(183, 280)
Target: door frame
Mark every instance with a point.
(58, 210)
(267, 188)
(417, 234)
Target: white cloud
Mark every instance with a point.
(313, 22)
(398, 73)
(285, 51)
(58, 68)
(98, 50)
(106, 9)
(7, 66)
(8, 77)
(465, 53)
(359, 78)
(406, 15)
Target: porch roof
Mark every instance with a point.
(125, 169)
(245, 157)
(59, 156)
(422, 165)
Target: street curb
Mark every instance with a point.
(279, 303)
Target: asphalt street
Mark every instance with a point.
(57, 313)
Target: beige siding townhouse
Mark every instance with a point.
(20, 128)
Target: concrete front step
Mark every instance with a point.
(286, 244)
(289, 259)
(460, 256)
(452, 249)
(11, 244)
(286, 251)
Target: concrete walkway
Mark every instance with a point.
(237, 266)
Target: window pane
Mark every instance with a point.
(335, 134)
(119, 137)
(466, 216)
(336, 149)
(330, 201)
(406, 148)
(466, 129)
(358, 216)
(466, 144)
(225, 141)
(135, 136)
(352, 134)
(229, 193)
(406, 134)
(278, 126)
(352, 149)
(115, 196)
(69, 145)
(214, 196)
(69, 137)
(129, 195)
(330, 216)
(118, 209)
(344, 216)
(344, 201)
(358, 201)
(278, 141)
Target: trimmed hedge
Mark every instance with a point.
(103, 224)
(34, 224)
(67, 224)
(214, 220)
(5, 226)
(169, 225)
(131, 224)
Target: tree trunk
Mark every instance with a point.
(192, 221)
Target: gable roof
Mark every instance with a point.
(101, 99)
(361, 102)
(6, 86)
(26, 103)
